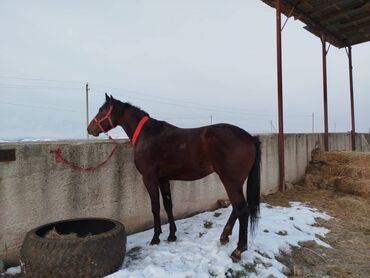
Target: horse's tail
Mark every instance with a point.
(253, 187)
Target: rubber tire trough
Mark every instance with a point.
(97, 250)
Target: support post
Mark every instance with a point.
(313, 122)
(325, 92)
(353, 130)
(87, 108)
(280, 98)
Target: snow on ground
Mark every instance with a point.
(198, 253)
(13, 270)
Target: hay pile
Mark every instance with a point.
(53, 234)
(343, 171)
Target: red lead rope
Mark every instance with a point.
(59, 158)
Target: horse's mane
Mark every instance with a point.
(131, 106)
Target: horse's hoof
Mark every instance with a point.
(224, 240)
(155, 241)
(171, 238)
(236, 255)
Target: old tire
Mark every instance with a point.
(97, 250)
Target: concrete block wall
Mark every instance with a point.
(35, 190)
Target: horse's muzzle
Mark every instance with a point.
(93, 132)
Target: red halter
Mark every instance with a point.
(107, 116)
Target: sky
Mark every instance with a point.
(190, 63)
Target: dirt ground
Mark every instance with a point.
(349, 235)
(339, 184)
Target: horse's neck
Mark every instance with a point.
(131, 121)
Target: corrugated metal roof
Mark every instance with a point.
(344, 22)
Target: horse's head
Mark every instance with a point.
(106, 119)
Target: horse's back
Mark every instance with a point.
(219, 139)
(193, 153)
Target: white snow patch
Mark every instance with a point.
(198, 253)
(13, 270)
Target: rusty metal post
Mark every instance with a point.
(325, 92)
(280, 99)
(353, 130)
(87, 108)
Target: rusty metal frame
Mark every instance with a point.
(314, 25)
(350, 69)
(325, 91)
(280, 99)
(288, 17)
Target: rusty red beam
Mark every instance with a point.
(325, 93)
(353, 130)
(280, 98)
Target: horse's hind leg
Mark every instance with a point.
(224, 238)
(241, 211)
(152, 187)
(167, 203)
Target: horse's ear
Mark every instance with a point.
(106, 97)
(111, 97)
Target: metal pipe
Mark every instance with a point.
(87, 108)
(280, 99)
(313, 123)
(325, 92)
(353, 130)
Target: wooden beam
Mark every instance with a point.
(355, 25)
(342, 12)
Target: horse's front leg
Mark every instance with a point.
(151, 185)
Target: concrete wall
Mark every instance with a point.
(35, 190)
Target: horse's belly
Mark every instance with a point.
(185, 173)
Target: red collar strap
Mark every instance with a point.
(138, 129)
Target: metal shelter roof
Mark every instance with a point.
(344, 22)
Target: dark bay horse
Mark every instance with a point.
(164, 152)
